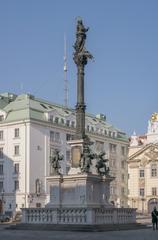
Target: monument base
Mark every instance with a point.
(80, 199)
(80, 190)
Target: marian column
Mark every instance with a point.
(80, 152)
(81, 56)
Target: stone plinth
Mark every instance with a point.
(80, 190)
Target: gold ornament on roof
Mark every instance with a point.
(154, 117)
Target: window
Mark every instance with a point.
(67, 156)
(1, 153)
(88, 128)
(16, 132)
(73, 124)
(1, 187)
(1, 135)
(62, 120)
(16, 185)
(67, 123)
(154, 191)
(69, 137)
(38, 187)
(113, 134)
(52, 136)
(99, 146)
(16, 150)
(123, 177)
(123, 152)
(38, 205)
(57, 137)
(123, 190)
(51, 118)
(1, 169)
(141, 192)
(154, 170)
(112, 148)
(112, 190)
(123, 164)
(16, 168)
(1, 118)
(56, 120)
(141, 173)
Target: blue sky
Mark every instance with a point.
(121, 83)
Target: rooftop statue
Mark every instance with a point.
(154, 117)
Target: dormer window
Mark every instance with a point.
(51, 118)
(73, 124)
(57, 120)
(1, 118)
(62, 121)
(67, 123)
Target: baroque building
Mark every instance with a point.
(30, 130)
(143, 168)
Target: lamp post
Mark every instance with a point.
(143, 199)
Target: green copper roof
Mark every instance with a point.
(26, 106)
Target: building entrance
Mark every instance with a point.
(152, 203)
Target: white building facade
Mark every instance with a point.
(143, 168)
(30, 130)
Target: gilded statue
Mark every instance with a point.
(154, 117)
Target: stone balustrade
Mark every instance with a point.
(79, 215)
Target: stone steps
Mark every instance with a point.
(75, 227)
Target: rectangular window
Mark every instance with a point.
(57, 137)
(99, 146)
(141, 173)
(16, 132)
(123, 190)
(1, 169)
(72, 124)
(123, 177)
(16, 150)
(1, 135)
(67, 156)
(67, 123)
(1, 187)
(69, 137)
(154, 191)
(56, 120)
(112, 148)
(123, 151)
(38, 205)
(51, 118)
(1, 153)
(154, 170)
(16, 185)
(52, 136)
(141, 192)
(16, 168)
(123, 164)
(62, 121)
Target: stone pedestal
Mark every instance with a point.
(79, 191)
